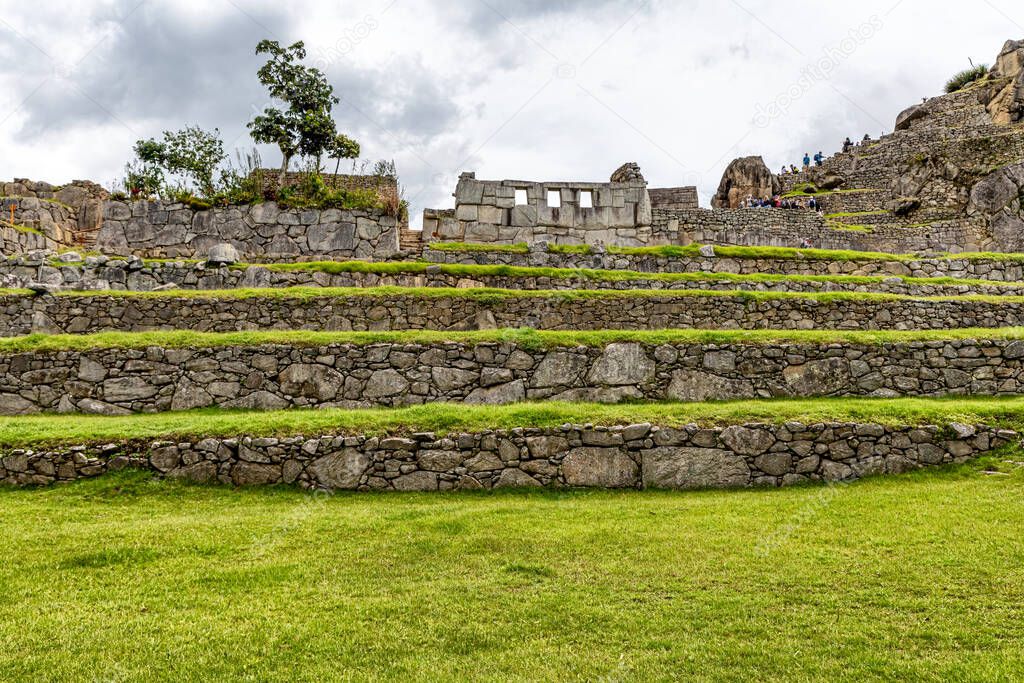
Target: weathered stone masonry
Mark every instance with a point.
(21, 314)
(119, 381)
(983, 269)
(117, 274)
(260, 232)
(633, 456)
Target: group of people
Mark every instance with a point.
(819, 158)
(779, 202)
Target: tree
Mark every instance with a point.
(305, 126)
(343, 147)
(145, 176)
(195, 154)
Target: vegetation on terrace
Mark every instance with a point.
(127, 577)
(760, 253)
(523, 337)
(597, 275)
(495, 295)
(444, 418)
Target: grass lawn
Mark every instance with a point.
(129, 578)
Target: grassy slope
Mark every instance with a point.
(693, 251)
(36, 430)
(491, 294)
(916, 577)
(597, 275)
(523, 337)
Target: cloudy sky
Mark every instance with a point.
(528, 89)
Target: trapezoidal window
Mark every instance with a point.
(555, 199)
(521, 198)
(586, 199)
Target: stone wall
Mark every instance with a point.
(633, 456)
(998, 270)
(119, 381)
(102, 274)
(260, 232)
(678, 198)
(78, 313)
(50, 216)
(789, 227)
(488, 211)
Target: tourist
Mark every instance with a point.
(807, 161)
(819, 158)
(805, 244)
(812, 203)
(792, 169)
(847, 144)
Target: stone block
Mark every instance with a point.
(600, 467)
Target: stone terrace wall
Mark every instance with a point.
(486, 212)
(260, 232)
(789, 227)
(21, 314)
(633, 456)
(679, 198)
(984, 269)
(119, 381)
(67, 215)
(118, 274)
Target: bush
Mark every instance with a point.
(966, 77)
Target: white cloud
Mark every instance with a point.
(554, 90)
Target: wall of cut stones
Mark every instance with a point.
(999, 270)
(49, 216)
(103, 274)
(632, 456)
(486, 211)
(260, 232)
(120, 381)
(81, 313)
(790, 227)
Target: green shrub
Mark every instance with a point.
(966, 77)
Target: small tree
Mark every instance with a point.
(195, 154)
(343, 147)
(305, 126)
(145, 176)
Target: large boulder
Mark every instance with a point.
(629, 172)
(222, 254)
(746, 176)
(1005, 102)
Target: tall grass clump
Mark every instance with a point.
(966, 77)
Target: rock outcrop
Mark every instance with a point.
(745, 176)
(1006, 99)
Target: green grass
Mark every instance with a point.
(493, 295)
(966, 77)
(520, 248)
(917, 577)
(765, 253)
(523, 337)
(851, 214)
(36, 430)
(22, 228)
(589, 274)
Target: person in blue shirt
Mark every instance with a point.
(807, 160)
(818, 158)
